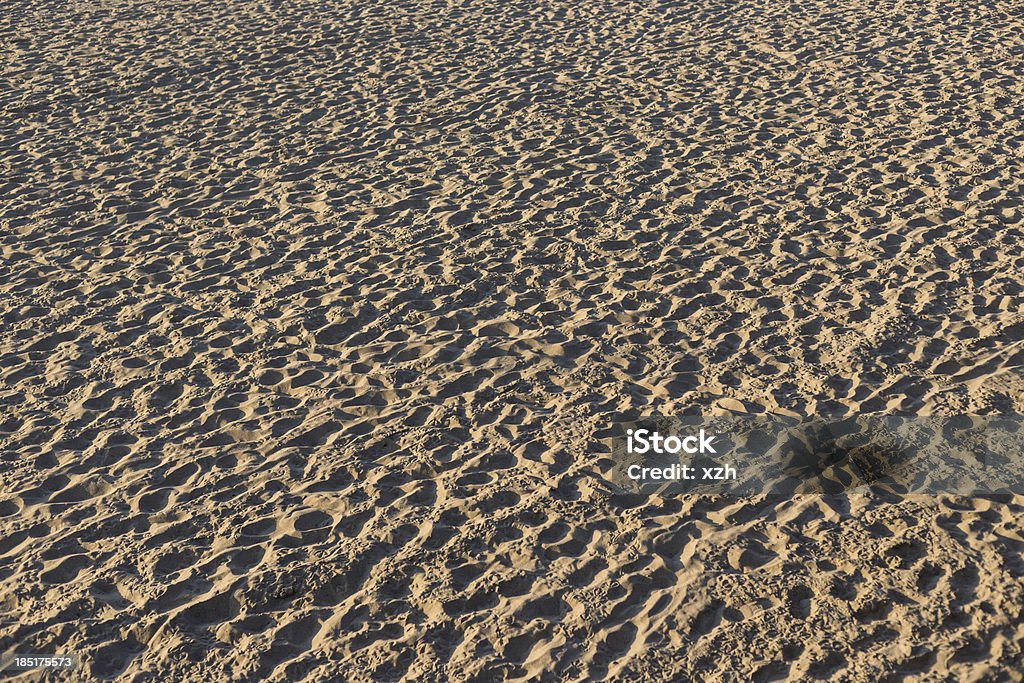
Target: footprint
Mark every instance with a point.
(800, 602)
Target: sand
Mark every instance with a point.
(311, 312)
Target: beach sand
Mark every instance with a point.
(311, 312)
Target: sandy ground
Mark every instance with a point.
(311, 311)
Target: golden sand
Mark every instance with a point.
(311, 311)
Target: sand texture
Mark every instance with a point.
(310, 313)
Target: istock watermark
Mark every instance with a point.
(966, 455)
(646, 440)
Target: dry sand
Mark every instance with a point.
(311, 310)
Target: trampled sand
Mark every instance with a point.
(311, 312)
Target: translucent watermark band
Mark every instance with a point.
(782, 456)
